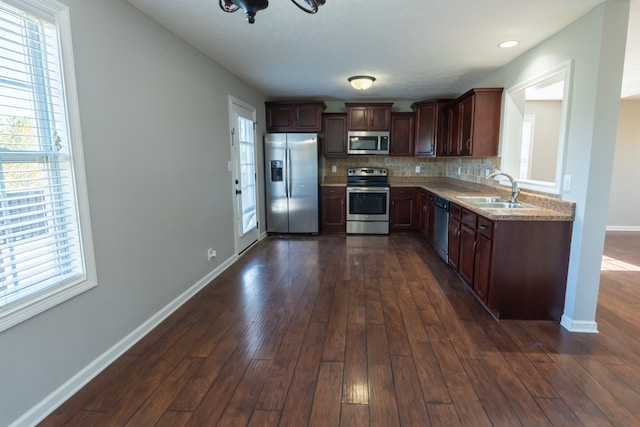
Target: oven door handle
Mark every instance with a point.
(368, 189)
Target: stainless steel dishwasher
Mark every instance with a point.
(441, 228)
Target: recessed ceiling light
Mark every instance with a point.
(509, 43)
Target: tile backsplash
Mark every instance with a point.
(472, 169)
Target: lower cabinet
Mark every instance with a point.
(402, 208)
(455, 212)
(333, 209)
(483, 258)
(426, 214)
(517, 269)
(466, 256)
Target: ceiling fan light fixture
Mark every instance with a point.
(361, 82)
(251, 7)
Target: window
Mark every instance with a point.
(247, 174)
(46, 254)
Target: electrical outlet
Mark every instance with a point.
(211, 253)
(417, 169)
(459, 170)
(334, 169)
(566, 183)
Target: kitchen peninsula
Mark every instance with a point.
(515, 261)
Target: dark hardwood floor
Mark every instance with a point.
(369, 331)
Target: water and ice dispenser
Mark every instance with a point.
(276, 170)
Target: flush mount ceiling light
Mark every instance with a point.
(251, 7)
(509, 43)
(361, 82)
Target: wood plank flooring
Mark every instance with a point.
(369, 331)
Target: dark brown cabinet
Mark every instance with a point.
(473, 124)
(474, 259)
(455, 212)
(427, 124)
(333, 209)
(466, 256)
(402, 208)
(369, 116)
(334, 134)
(451, 134)
(294, 116)
(517, 269)
(426, 214)
(402, 129)
(482, 261)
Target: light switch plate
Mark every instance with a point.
(566, 183)
(417, 169)
(334, 169)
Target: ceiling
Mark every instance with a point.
(417, 49)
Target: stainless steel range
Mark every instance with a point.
(367, 201)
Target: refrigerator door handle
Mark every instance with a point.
(286, 173)
(290, 191)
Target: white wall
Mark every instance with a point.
(155, 126)
(595, 43)
(624, 202)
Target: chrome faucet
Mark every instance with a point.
(515, 190)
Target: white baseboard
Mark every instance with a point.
(623, 227)
(579, 326)
(79, 380)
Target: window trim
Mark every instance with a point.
(42, 301)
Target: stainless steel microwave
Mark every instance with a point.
(365, 142)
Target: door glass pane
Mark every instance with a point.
(247, 174)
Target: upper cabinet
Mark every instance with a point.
(427, 124)
(472, 124)
(294, 116)
(334, 134)
(401, 143)
(369, 116)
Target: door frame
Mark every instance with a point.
(235, 172)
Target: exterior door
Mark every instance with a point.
(244, 174)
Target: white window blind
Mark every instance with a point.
(40, 233)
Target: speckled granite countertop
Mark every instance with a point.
(546, 208)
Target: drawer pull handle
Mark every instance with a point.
(483, 227)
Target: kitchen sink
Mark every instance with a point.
(493, 203)
(502, 205)
(474, 200)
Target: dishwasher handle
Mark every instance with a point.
(442, 203)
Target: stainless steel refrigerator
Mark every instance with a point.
(291, 169)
